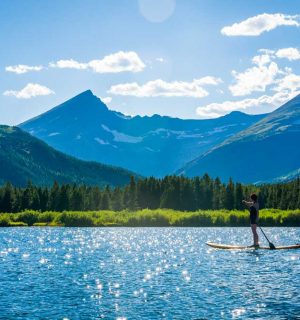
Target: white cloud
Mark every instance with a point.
(118, 62)
(22, 68)
(267, 51)
(160, 88)
(253, 79)
(291, 83)
(29, 91)
(160, 59)
(68, 64)
(208, 80)
(214, 110)
(288, 53)
(256, 25)
(264, 73)
(113, 63)
(261, 60)
(106, 100)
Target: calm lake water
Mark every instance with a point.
(146, 273)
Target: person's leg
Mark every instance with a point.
(255, 235)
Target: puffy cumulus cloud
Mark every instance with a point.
(256, 25)
(288, 53)
(68, 64)
(289, 83)
(208, 80)
(117, 62)
(22, 68)
(256, 78)
(160, 88)
(264, 73)
(261, 60)
(214, 110)
(29, 91)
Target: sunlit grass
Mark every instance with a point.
(149, 218)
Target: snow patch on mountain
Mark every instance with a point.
(221, 129)
(100, 141)
(122, 137)
(53, 134)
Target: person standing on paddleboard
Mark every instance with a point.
(254, 216)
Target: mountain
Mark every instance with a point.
(290, 176)
(24, 158)
(85, 128)
(265, 151)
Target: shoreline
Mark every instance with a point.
(149, 218)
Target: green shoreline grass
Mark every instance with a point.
(150, 218)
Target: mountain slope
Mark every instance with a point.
(263, 152)
(85, 128)
(23, 158)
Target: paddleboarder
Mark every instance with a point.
(254, 216)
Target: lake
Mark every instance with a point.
(146, 273)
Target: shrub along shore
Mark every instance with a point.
(150, 218)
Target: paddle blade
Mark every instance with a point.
(272, 247)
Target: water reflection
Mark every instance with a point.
(150, 273)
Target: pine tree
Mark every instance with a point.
(238, 197)
(229, 195)
(198, 192)
(54, 197)
(96, 199)
(63, 202)
(207, 200)
(76, 199)
(44, 198)
(105, 199)
(117, 204)
(132, 201)
(217, 194)
(27, 197)
(7, 201)
(187, 195)
(35, 199)
(167, 198)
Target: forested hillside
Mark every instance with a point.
(24, 157)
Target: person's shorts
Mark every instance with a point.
(253, 221)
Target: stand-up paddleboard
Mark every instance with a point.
(235, 247)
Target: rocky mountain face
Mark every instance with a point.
(152, 146)
(267, 151)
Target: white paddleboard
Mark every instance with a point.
(236, 247)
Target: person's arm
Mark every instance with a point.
(248, 203)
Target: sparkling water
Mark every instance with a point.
(146, 273)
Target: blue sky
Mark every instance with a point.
(183, 58)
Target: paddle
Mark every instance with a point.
(271, 245)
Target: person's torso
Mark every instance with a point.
(254, 213)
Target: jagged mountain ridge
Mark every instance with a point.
(265, 151)
(158, 145)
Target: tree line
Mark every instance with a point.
(170, 192)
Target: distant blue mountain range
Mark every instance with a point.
(267, 151)
(152, 146)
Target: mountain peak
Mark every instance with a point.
(235, 113)
(86, 95)
(87, 92)
(83, 106)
